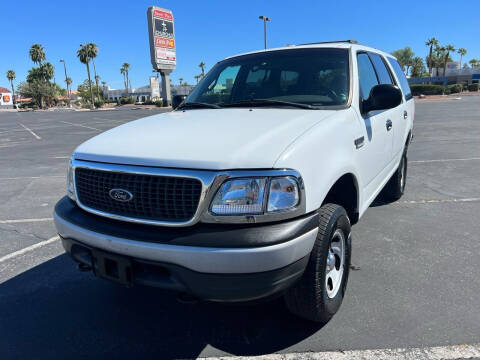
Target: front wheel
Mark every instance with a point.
(317, 296)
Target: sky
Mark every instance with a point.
(210, 30)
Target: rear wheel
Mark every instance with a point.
(395, 187)
(317, 296)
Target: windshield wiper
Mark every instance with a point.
(266, 102)
(198, 105)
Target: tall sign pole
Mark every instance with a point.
(162, 46)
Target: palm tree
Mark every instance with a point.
(418, 68)
(47, 70)
(11, 76)
(473, 63)
(37, 53)
(124, 70)
(92, 54)
(197, 77)
(68, 80)
(431, 42)
(448, 49)
(462, 52)
(202, 66)
(82, 55)
(439, 56)
(180, 80)
(104, 84)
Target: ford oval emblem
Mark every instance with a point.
(120, 195)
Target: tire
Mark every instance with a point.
(314, 297)
(395, 187)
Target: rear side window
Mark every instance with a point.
(366, 75)
(401, 78)
(382, 71)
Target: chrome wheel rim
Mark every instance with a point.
(335, 264)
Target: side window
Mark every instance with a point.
(366, 75)
(382, 71)
(401, 78)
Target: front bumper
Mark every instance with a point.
(199, 260)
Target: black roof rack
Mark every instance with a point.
(332, 42)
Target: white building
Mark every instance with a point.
(147, 92)
(6, 99)
(142, 94)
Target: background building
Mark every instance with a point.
(6, 99)
(147, 92)
(453, 75)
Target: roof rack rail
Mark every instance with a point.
(332, 42)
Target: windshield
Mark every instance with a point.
(314, 77)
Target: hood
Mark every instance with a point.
(213, 139)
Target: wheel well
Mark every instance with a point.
(409, 138)
(345, 193)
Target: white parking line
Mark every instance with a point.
(438, 201)
(28, 249)
(31, 132)
(32, 177)
(84, 126)
(443, 160)
(430, 353)
(18, 221)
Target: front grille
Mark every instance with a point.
(161, 198)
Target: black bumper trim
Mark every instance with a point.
(206, 286)
(204, 235)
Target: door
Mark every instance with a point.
(376, 152)
(406, 109)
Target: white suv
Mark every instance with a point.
(248, 190)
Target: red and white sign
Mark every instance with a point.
(161, 31)
(162, 14)
(164, 42)
(165, 55)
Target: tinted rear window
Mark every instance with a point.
(401, 78)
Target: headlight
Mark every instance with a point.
(70, 182)
(283, 194)
(247, 196)
(240, 197)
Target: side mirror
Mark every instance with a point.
(382, 97)
(177, 100)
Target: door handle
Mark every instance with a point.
(405, 114)
(389, 125)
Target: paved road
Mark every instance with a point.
(417, 281)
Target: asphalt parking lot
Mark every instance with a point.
(416, 281)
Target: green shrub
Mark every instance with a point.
(148, 102)
(125, 100)
(98, 103)
(159, 103)
(454, 89)
(473, 87)
(426, 89)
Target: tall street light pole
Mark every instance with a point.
(265, 19)
(65, 69)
